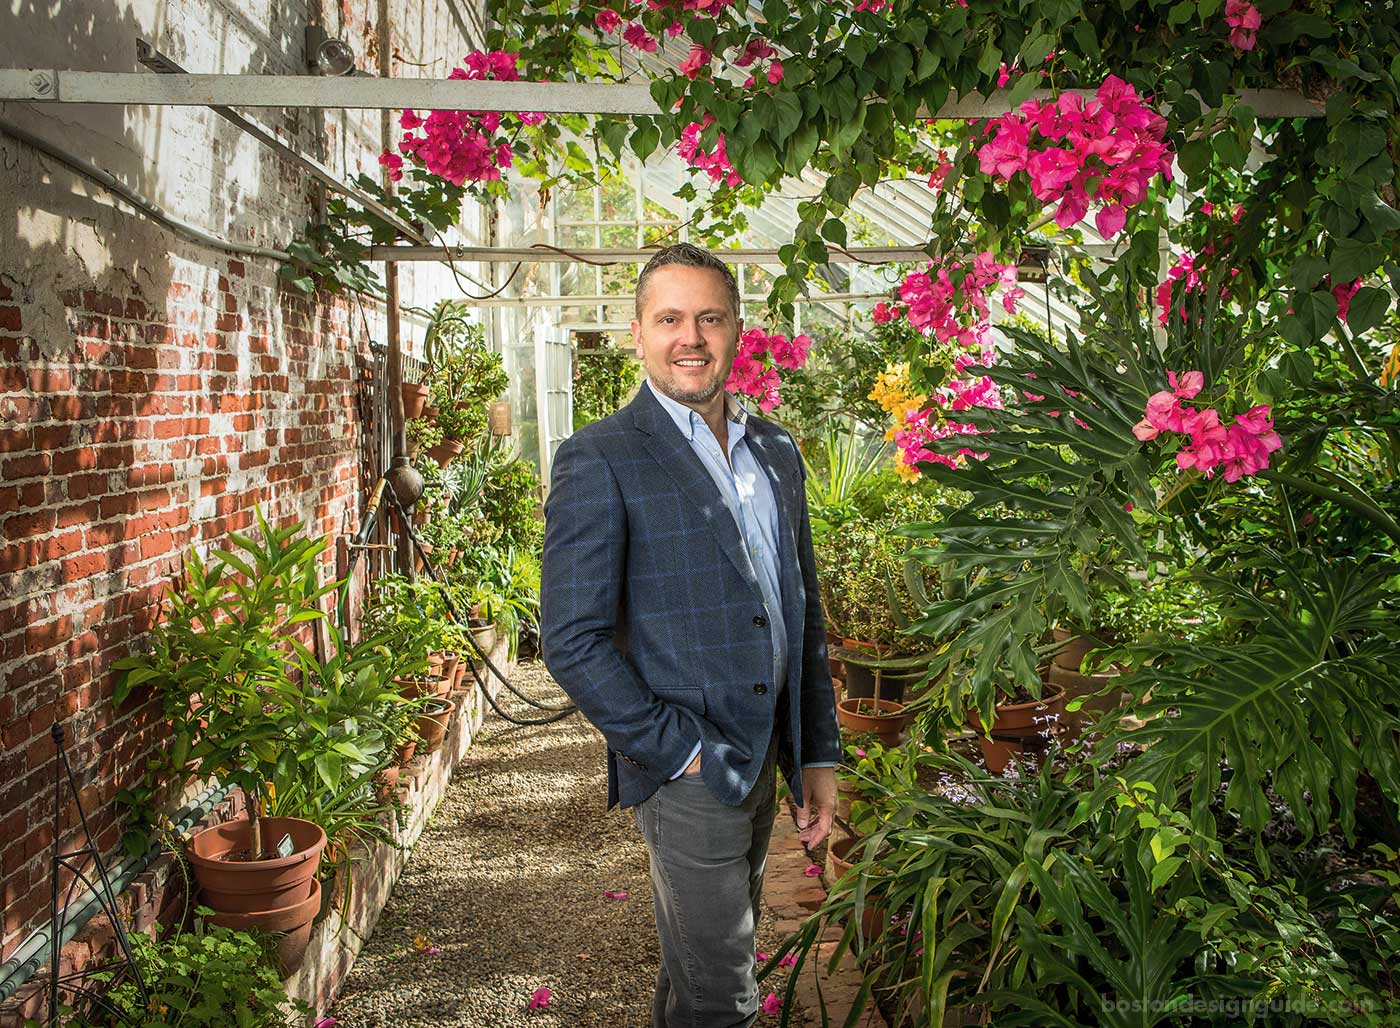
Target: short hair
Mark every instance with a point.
(691, 256)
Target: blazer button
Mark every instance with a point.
(760, 688)
(759, 621)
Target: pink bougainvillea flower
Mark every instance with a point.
(327, 1022)
(409, 120)
(714, 163)
(772, 1004)
(616, 894)
(638, 38)
(860, 752)
(1188, 385)
(1343, 294)
(813, 871)
(754, 50)
(1128, 506)
(788, 960)
(696, 61)
(775, 73)
(539, 999)
(607, 20)
(1244, 20)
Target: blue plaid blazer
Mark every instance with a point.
(653, 623)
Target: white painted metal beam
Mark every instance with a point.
(50, 85)
(546, 254)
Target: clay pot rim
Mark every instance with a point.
(887, 709)
(428, 710)
(312, 852)
(279, 919)
(1048, 700)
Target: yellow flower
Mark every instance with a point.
(906, 472)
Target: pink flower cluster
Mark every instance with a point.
(755, 370)
(923, 427)
(1244, 20)
(1111, 148)
(715, 163)
(459, 146)
(1343, 294)
(955, 311)
(1241, 448)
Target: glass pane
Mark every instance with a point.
(654, 211)
(618, 314)
(623, 237)
(660, 235)
(574, 203)
(619, 280)
(619, 200)
(577, 235)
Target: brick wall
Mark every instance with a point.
(153, 392)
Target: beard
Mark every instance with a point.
(701, 394)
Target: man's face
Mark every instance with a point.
(688, 335)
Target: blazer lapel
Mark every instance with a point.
(787, 494)
(673, 452)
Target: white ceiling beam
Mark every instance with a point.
(544, 254)
(52, 85)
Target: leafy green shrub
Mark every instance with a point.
(209, 977)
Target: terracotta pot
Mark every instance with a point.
(432, 725)
(441, 683)
(415, 686)
(837, 850)
(1015, 723)
(484, 635)
(449, 672)
(430, 412)
(1072, 656)
(444, 451)
(1075, 685)
(386, 783)
(886, 718)
(292, 922)
(459, 673)
(420, 515)
(414, 397)
(239, 886)
(403, 755)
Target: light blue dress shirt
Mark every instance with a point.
(746, 491)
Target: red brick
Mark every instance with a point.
(82, 486)
(51, 380)
(66, 408)
(16, 440)
(9, 319)
(26, 467)
(82, 459)
(77, 569)
(22, 526)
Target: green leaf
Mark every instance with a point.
(788, 116)
(1316, 313)
(1368, 309)
(834, 230)
(990, 60)
(1163, 872)
(645, 139)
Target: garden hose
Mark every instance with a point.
(558, 713)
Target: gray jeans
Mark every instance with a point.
(707, 863)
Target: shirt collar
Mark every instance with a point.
(688, 420)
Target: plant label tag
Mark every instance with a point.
(284, 846)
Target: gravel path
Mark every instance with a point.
(507, 882)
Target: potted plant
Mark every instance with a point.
(250, 704)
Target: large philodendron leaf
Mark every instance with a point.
(1061, 457)
(1302, 704)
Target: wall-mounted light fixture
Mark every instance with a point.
(327, 55)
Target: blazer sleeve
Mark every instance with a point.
(821, 736)
(581, 589)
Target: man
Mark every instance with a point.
(679, 610)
